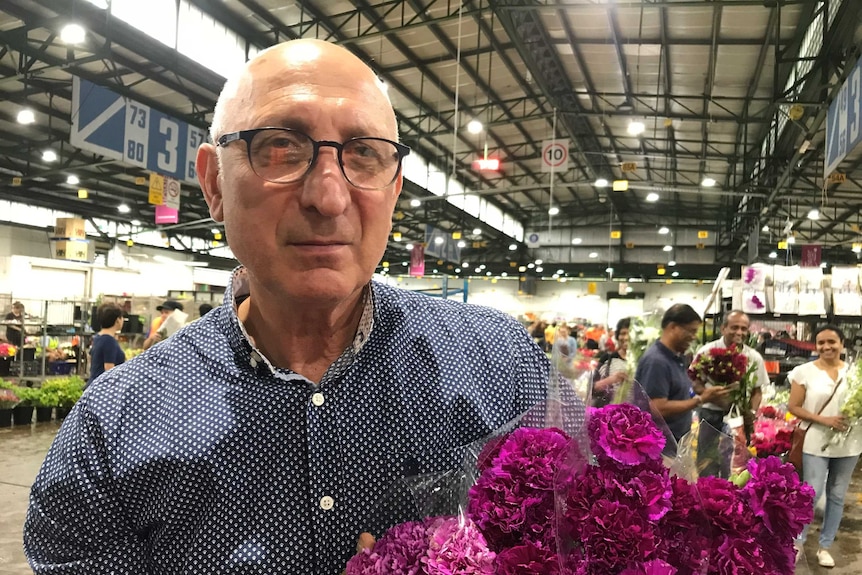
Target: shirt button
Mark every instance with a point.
(317, 399)
(326, 503)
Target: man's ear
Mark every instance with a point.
(207, 168)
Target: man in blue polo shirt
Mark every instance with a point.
(662, 371)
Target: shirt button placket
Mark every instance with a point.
(323, 462)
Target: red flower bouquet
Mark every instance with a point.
(725, 366)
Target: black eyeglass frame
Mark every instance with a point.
(248, 135)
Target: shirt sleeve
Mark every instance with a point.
(654, 377)
(761, 375)
(76, 524)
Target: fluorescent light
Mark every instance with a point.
(652, 197)
(671, 263)
(531, 265)
(477, 231)
(462, 244)
(576, 241)
(601, 183)
(594, 255)
(26, 116)
(814, 214)
(72, 180)
(438, 240)
(707, 182)
(663, 230)
(667, 249)
(773, 255)
(675, 274)
(538, 262)
(474, 127)
(636, 128)
(124, 209)
(415, 203)
(513, 247)
(554, 211)
(408, 247)
(73, 34)
(49, 156)
(465, 265)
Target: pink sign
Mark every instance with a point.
(417, 261)
(810, 257)
(166, 215)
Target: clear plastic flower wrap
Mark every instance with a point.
(568, 489)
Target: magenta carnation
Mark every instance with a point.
(457, 547)
(398, 552)
(654, 567)
(513, 499)
(723, 506)
(625, 434)
(531, 558)
(739, 556)
(777, 496)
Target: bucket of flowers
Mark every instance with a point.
(8, 400)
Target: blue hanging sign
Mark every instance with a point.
(843, 120)
(111, 125)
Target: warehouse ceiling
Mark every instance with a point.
(730, 91)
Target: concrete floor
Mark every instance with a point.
(22, 450)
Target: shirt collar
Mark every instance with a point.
(245, 350)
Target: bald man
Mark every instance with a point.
(268, 435)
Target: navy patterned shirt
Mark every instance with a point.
(201, 457)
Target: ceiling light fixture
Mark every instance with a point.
(26, 116)
(408, 247)
(538, 262)
(438, 240)
(664, 230)
(601, 183)
(49, 156)
(554, 211)
(667, 249)
(124, 209)
(539, 269)
(513, 247)
(576, 241)
(73, 34)
(135, 222)
(594, 255)
(477, 231)
(814, 214)
(636, 128)
(708, 182)
(474, 127)
(675, 274)
(72, 180)
(652, 197)
(765, 229)
(462, 244)
(671, 263)
(415, 203)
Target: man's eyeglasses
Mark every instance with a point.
(284, 156)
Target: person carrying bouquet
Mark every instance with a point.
(818, 390)
(728, 348)
(662, 371)
(259, 438)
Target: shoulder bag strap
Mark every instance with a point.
(831, 395)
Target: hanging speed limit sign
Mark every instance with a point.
(555, 155)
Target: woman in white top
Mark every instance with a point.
(824, 466)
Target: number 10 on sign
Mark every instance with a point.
(555, 155)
